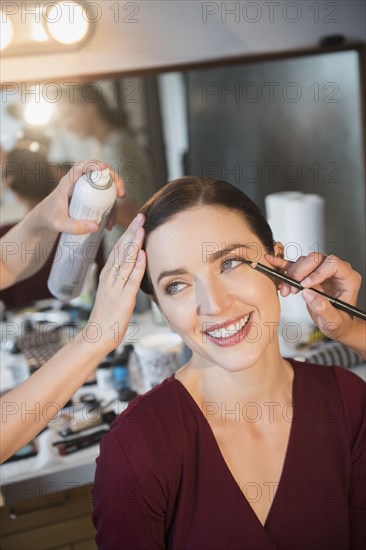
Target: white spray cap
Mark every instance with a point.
(100, 178)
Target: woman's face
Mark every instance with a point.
(223, 309)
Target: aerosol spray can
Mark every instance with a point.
(93, 198)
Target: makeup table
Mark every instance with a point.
(49, 473)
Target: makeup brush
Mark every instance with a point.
(339, 304)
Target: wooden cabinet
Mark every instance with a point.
(62, 521)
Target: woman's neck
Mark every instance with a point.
(267, 380)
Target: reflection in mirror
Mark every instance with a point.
(47, 127)
(114, 121)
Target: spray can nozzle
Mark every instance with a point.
(100, 178)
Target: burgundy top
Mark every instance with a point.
(162, 482)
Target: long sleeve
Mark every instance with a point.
(353, 392)
(130, 493)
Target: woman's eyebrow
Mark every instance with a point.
(169, 273)
(209, 257)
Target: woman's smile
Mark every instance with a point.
(229, 333)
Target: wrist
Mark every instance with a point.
(91, 344)
(355, 336)
(36, 223)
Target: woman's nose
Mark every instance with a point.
(211, 297)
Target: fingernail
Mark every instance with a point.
(139, 220)
(306, 281)
(308, 296)
(285, 291)
(268, 257)
(91, 227)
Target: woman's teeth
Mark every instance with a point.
(230, 330)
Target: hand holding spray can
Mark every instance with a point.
(93, 198)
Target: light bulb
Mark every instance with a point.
(37, 113)
(67, 23)
(34, 147)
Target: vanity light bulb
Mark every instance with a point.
(6, 31)
(38, 113)
(68, 24)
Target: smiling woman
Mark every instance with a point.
(240, 445)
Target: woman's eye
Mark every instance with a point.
(173, 288)
(230, 264)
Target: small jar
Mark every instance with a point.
(120, 377)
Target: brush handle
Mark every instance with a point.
(339, 304)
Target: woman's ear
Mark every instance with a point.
(279, 252)
(279, 249)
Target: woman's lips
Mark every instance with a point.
(230, 340)
(227, 324)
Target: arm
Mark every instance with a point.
(39, 230)
(58, 379)
(335, 277)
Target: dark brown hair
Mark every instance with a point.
(91, 92)
(194, 191)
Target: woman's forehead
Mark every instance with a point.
(202, 214)
(196, 229)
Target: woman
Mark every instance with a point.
(241, 448)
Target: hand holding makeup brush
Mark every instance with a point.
(335, 277)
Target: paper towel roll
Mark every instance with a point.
(297, 220)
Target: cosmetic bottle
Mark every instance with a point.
(121, 375)
(93, 198)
